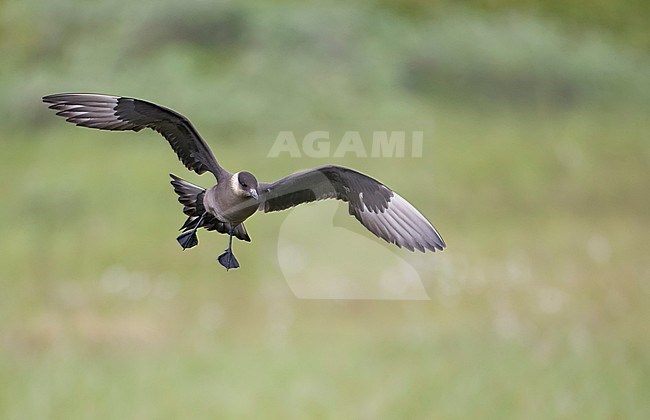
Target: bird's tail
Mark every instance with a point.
(191, 197)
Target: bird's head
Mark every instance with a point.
(246, 185)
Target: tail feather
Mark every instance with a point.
(191, 197)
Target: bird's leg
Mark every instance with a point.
(189, 239)
(227, 259)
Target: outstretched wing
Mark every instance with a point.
(106, 112)
(378, 208)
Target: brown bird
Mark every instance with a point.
(237, 196)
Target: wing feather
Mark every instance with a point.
(382, 211)
(107, 112)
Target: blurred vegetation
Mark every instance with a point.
(536, 169)
(626, 20)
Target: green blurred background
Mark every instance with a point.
(537, 177)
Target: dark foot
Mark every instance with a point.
(228, 260)
(188, 239)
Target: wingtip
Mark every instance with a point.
(48, 98)
(175, 180)
(439, 243)
(436, 245)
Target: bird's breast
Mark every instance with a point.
(229, 207)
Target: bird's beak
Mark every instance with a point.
(253, 193)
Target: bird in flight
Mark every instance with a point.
(237, 196)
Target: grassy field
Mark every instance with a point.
(536, 168)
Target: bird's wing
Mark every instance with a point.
(106, 112)
(378, 208)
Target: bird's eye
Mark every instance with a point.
(243, 184)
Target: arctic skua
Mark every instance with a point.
(237, 196)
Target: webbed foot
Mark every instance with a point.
(228, 260)
(188, 239)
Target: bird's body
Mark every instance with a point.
(237, 196)
(228, 203)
